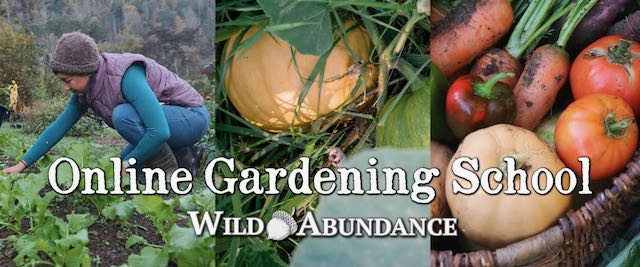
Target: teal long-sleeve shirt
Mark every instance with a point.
(136, 90)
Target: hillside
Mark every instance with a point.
(177, 33)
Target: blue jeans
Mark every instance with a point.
(187, 125)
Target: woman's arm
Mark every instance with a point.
(52, 135)
(136, 90)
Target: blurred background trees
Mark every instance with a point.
(176, 33)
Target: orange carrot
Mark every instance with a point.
(543, 76)
(438, 12)
(545, 73)
(536, 20)
(469, 29)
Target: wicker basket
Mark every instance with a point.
(577, 239)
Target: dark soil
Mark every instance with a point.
(6, 253)
(107, 239)
(6, 161)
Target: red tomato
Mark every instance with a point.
(610, 65)
(601, 127)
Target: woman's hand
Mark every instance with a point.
(15, 168)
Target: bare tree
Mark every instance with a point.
(26, 15)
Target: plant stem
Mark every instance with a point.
(548, 24)
(410, 72)
(616, 129)
(620, 53)
(487, 89)
(538, 18)
(394, 48)
(532, 26)
(405, 31)
(40, 262)
(582, 8)
(376, 39)
(15, 229)
(515, 39)
(519, 7)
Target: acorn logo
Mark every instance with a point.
(281, 225)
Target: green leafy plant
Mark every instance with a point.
(161, 211)
(48, 239)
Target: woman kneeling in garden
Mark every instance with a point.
(160, 115)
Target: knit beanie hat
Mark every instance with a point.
(75, 54)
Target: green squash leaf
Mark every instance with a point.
(161, 211)
(27, 190)
(305, 25)
(81, 154)
(188, 249)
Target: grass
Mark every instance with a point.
(398, 36)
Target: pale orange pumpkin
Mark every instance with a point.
(494, 221)
(264, 83)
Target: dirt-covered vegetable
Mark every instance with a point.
(495, 61)
(535, 21)
(596, 23)
(629, 27)
(469, 29)
(545, 73)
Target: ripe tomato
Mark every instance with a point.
(610, 65)
(601, 127)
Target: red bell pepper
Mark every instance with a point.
(473, 104)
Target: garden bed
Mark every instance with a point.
(47, 228)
